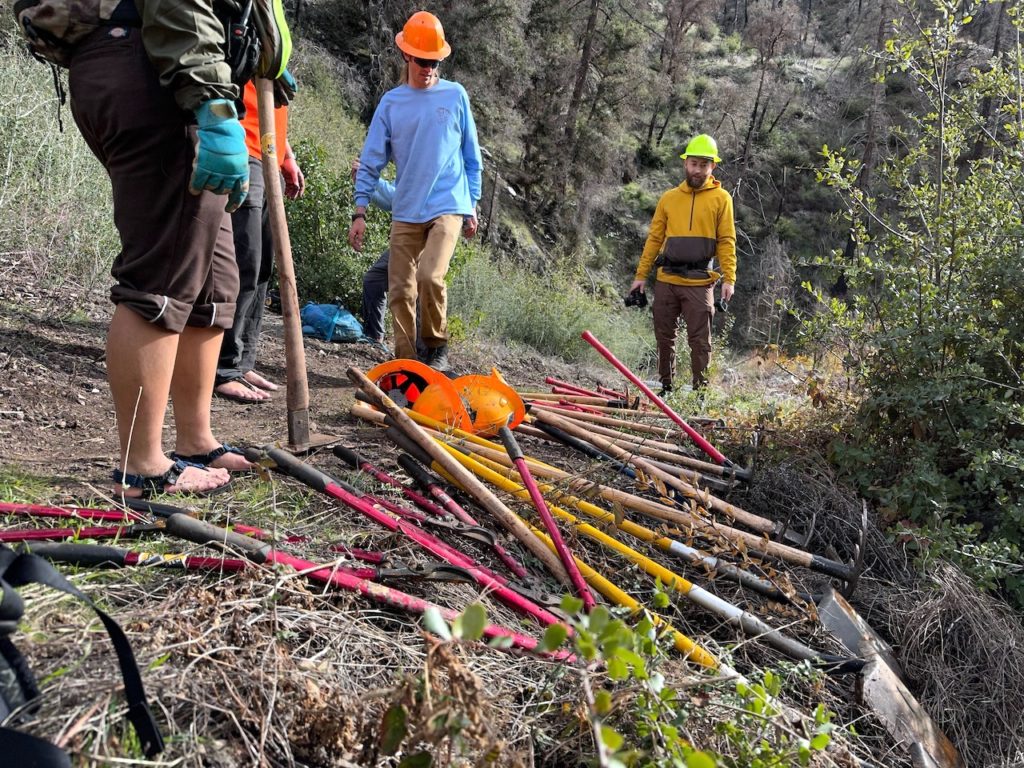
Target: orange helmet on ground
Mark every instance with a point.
(423, 36)
(441, 401)
(404, 380)
(491, 402)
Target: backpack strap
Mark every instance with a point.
(18, 569)
(22, 749)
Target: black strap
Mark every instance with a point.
(25, 568)
(26, 751)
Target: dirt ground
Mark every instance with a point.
(56, 415)
(310, 673)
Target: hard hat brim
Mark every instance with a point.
(714, 159)
(491, 402)
(404, 380)
(405, 47)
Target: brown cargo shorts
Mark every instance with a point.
(177, 265)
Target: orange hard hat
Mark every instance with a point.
(404, 380)
(491, 402)
(423, 37)
(441, 402)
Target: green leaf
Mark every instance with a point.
(571, 605)
(434, 622)
(159, 661)
(554, 636)
(700, 760)
(501, 642)
(603, 702)
(598, 619)
(820, 742)
(469, 625)
(393, 729)
(617, 669)
(632, 658)
(611, 738)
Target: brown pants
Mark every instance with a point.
(420, 255)
(696, 304)
(177, 264)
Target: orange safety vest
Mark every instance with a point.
(251, 124)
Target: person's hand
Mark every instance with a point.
(637, 285)
(727, 290)
(285, 89)
(356, 233)
(355, 168)
(221, 164)
(470, 224)
(294, 181)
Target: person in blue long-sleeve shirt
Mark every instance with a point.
(375, 280)
(425, 126)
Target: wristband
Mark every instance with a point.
(358, 216)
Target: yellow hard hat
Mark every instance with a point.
(491, 402)
(702, 146)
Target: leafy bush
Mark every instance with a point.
(636, 716)
(934, 326)
(326, 267)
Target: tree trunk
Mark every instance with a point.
(871, 134)
(753, 116)
(571, 114)
(987, 103)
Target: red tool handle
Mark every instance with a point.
(696, 436)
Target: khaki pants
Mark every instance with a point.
(420, 255)
(696, 305)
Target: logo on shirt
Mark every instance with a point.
(443, 116)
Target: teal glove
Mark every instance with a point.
(222, 161)
(285, 89)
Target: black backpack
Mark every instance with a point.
(19, 692)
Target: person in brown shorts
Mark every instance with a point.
(692, 228)
(154, 100)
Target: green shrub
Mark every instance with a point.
(934, 324)
(326, 267)
(638, 199)
(547, 312)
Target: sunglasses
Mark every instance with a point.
(427, 63)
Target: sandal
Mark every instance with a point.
(260, 382)
(152, 485)
(205, 459)
(261, 396)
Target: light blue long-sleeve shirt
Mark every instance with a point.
(383, 195)
(430, 135)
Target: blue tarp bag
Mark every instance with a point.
(330, 322)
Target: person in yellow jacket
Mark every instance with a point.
(692, 228)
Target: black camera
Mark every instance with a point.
(721, 305)
(636, 298)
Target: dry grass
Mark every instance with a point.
(964, 652)
(265, 669)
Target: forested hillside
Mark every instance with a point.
(874, 154)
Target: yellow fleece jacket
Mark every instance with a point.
(690, 230)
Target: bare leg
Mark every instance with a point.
(140, 364)
(191, 389)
